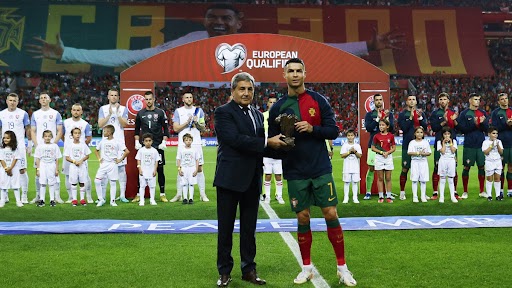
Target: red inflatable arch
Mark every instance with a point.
(263, 56)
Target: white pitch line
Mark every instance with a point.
(318, 280)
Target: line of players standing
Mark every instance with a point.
(473, 122)
(47, 121)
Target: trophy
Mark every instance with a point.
(287, 124)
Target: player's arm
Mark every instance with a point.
(359, 151)
(403, 123)
(125, 153)
(156, 165)
(59, 134)
(200, 124)
(484, 126)
(165, 126)
(102, 118)
(137, 127)
(487, 147)
(344, 153)
(33, 130)
(97, 153)
(370, 123)
(88, 135)
(500, 147)
(176, 126)
(463, 125)
(328, 128)
(436, 123)
(123, 118)
(178, 163)
(411, 148)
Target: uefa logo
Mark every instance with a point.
(135, 103)
(230, 57)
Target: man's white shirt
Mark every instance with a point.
(45, 120)
(15, 121)
(70, 124)
(114, 121)
(181, 116)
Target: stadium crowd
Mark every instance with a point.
(90, 90)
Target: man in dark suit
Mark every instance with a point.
(238, 176)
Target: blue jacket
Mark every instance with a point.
(407, 126)
(499, 120)
(474, 135)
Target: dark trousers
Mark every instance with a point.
(227, 202)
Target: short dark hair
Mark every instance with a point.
(76, 128)
(110, 127)
(446, 129)
(187, 135)
(149, 93)
(47, 131)
(474, 95)
(491, 129)
(443, 94)
(295, 60)
(147, 135)
(351, 131)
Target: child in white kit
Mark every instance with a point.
(76, 154)
(188, 164)
(109, 158)
(447, 165)
(47, 157)
(419, 149)
(493, 149)
(10, 158)
(147, 163)
(351, 153)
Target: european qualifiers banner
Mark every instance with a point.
(50, 36)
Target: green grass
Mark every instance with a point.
(410, 258)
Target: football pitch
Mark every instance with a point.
(385, 258)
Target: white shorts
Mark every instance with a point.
(78, 174)
(108, 170)
(150, 182)
(47, 173)
(351, 177)
(187, 178)
(382, 163)
(446, 167)
(419, 171)
(272, 166)
(493, 167)
(10, 182)
(199, 150)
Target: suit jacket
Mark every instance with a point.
(240, 150)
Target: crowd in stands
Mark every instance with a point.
(90, 90)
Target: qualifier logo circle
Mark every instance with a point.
(135, 103)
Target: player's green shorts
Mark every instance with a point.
(472, 155)
(371, 157)
(319, 191)
(406, 159)
(507, 155)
